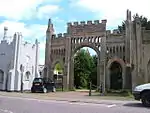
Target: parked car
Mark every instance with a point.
(142, 92)
(44, 85)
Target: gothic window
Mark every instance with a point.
(110, 50)
(113, 50)
(123, 48)
(27, 76)
(120, 49)
(58, 51)
(63, 59)
(64, 51)
(124, 58)
(1, 76)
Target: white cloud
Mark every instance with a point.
(58, 20)
(46, 11)
(30, 33)
(21, 9)
(113, 10)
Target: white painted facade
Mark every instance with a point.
(18, 59)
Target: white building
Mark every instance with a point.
(18, 63)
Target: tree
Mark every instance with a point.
(94, 70)
(122, 27)
(83, 65)
(144, 23)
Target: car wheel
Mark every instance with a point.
(146, 99)
(32, 91)
(44, 90)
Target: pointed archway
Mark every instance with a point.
(115, 73)
(115, 76)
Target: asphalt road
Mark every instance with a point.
(24, 105)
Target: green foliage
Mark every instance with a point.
(122, 27)
(85, 69)
(58, 67)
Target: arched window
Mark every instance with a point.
(27, 75)
(1, 76)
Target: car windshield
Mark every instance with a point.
(37, 80)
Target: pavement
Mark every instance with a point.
(14, 104)
(70, 97)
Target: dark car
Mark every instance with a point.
(42, 85)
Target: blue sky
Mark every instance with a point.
(31, 16)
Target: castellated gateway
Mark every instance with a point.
(128, 52)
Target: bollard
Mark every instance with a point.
(22, 87)
(90, 89)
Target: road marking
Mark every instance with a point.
(110, 106)
(92, 104)
(6, 111)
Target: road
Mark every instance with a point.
(28, 105)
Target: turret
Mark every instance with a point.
(49, 35)
(50, 28)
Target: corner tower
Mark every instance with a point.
(49, 34)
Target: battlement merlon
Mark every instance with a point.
(59, 35)
(89, 22)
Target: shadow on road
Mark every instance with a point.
(139, 105)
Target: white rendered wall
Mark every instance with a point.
(5, 60)
(12, 56)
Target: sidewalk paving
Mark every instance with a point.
(81, 97)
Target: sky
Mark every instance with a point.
(31, 16)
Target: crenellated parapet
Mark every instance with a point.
(114, 32)
(85, 23)
(89, 27)
(59, 35)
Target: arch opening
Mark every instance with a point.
(116, 80)
(58, 73)
(85, 60)
(58, 69)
